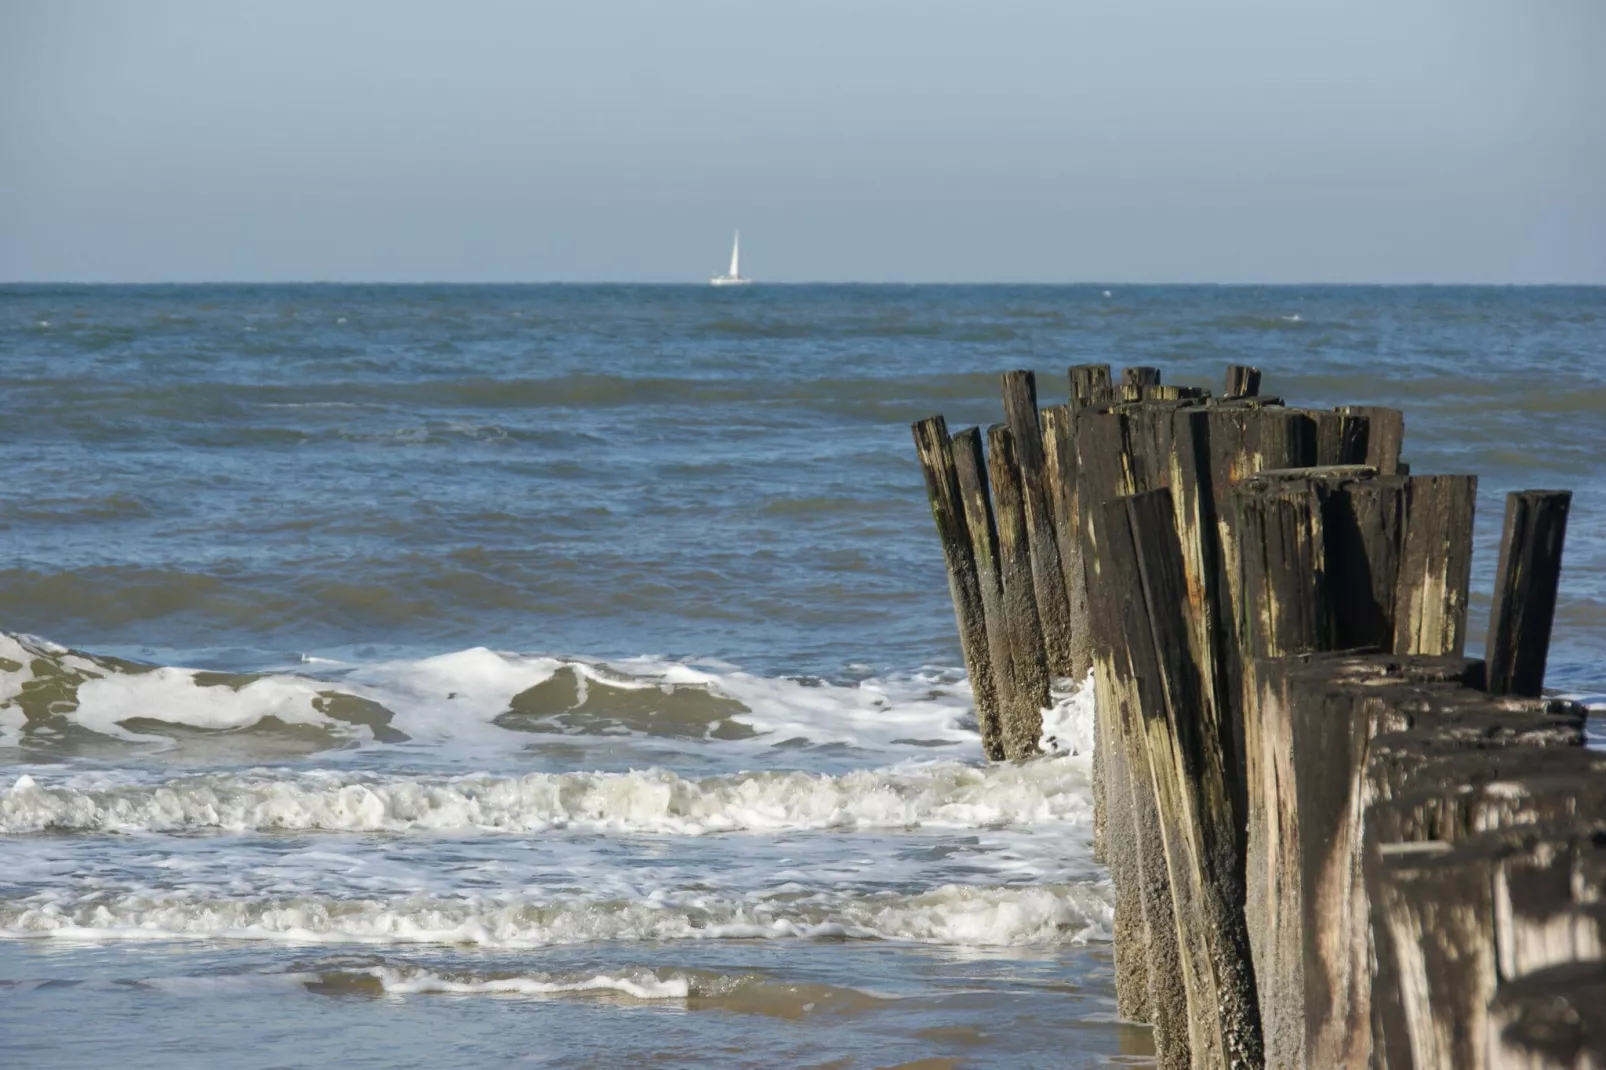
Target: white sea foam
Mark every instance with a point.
(1068, 723)
(642, 985)
(942, 794)
(458, 697)
(950, 915)
(175, 696)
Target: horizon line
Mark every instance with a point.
(1094, 284)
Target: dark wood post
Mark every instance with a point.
(1464, 919)
(1048, 574)
(1430, 615)
(1309, 722)
(1187, 767)
(947, 509)
(1090, 386)
(1502, 734)
(1364, 522)
(1023, 724)
(1149, 982)
(1525, 590)
(1059, 453)
(1140, 376)
(1282, 558)
(970, 466)
(1385, 434)
(1242, 381)
(1341, 437)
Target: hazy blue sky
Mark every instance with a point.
(1053, 140)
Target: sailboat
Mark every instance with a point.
(735, 276)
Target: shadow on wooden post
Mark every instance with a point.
(1525, 590)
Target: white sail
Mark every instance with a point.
(735, 276)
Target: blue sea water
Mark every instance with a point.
(565, 675)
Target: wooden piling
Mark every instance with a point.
(1465, 917)
(1059, 453)
(1525, 590)
(1187, 773)
(1384, 436)
(1341, 438)
(1243, 441)
(1140, 376)
(1507, 737)
(1385, 860)
(1022, 726)
(1048, 573)
(970, 468)
(947, 509)
(1149, 980)
(1090, 386)
(1309, 723)
(1243, 381)
(1364, 523)
(1282, 559)
(1430, 615)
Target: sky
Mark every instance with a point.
(1270, 141)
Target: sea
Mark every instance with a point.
(565, 676)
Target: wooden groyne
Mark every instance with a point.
(1335, 840)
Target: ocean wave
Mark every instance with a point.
(952, 915)
(656, 801)
(54, 699)
(642, 985)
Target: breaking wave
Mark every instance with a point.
(950, 915)
(942, 794)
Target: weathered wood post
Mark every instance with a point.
(1243, 381)
(1311, 719)
(970, 466)
(1341, 437)
(1090, 386)
(1059, 454)
(1365, 523)
(1282, 559)
(1525, 590)
(1048, 573)
(1430, 615)
(1418, 1009)
(1148, 970)
(947, 509)
(1385, 435)
(1187, 772)
(1137, 382)
(1464, 917)
(1022, 725)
